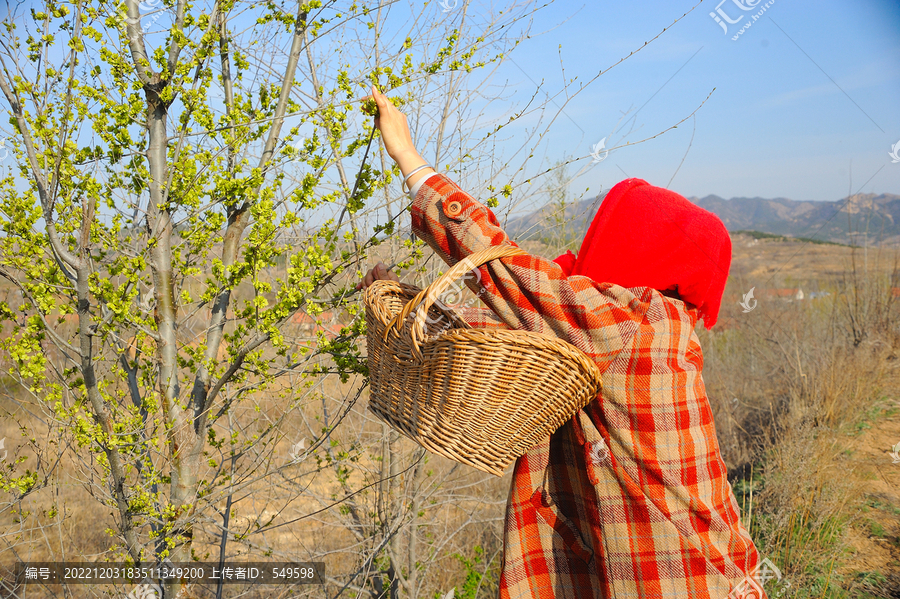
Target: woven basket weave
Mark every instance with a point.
(482, 397)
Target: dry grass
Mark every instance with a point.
(792, 384)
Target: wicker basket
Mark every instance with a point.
(482, 397)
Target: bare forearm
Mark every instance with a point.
(409, 161)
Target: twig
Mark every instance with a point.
(363, 164)
(690, 143)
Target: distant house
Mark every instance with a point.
(818, 294)
(307, 324)
(786, 294)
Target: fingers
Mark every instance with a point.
(366, 281)
(379, 272)
(383, 274)
(385, 106)
(380, 98)
(382, 103)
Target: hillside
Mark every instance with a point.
(872, 219)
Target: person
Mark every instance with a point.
(629, 498)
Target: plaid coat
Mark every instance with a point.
(628, 499)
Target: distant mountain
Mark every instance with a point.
(871, 217)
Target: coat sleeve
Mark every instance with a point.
(527, 292)
(481, 318)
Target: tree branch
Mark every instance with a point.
(238, 219)
(47, 200)
(135, 34)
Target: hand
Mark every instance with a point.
(379, 273)
(392, 124)
(396, 137)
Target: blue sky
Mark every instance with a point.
(806, 102)
(776, 125)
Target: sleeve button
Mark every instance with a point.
(454, 209)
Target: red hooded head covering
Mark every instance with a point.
(646, 236)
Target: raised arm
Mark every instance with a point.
(526, 292)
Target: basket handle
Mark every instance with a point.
(425, 298)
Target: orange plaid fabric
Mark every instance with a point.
(629, 499)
